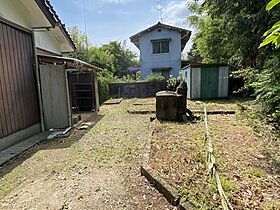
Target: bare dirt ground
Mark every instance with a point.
(98, 169)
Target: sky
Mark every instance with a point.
(117, 20)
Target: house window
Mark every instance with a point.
(160, 46)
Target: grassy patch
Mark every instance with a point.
(256, 172)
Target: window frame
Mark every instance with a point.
(160, 41)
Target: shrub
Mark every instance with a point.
(155, 78)
(172, 83)
(103, 88)
(138, 76)
(268, 86)
(104, 78)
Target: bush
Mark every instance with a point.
(104, 78)
(103, 89)
(172, 83)
(155, 78)
(268, 86)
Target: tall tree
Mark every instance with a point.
(231, 30)
(123, 57)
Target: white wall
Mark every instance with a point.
(17, 12)
(45, 40)
(14, 11)
(149, 60)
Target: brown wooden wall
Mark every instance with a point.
(18, 92)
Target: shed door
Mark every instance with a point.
(54, 91)
(209, 82)
(18, 94)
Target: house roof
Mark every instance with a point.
(185, 34)
(54, 19)
(71, 63)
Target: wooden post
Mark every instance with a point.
(96, 90)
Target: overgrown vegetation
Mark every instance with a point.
(114, 58)
(231, 31)
(155, 78)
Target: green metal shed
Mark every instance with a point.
(206, 81)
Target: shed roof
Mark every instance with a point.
(205, 65)
(71, 63)
(185, 34)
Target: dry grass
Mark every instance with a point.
(178, 156)
(247, 154)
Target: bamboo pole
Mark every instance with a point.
(213, 167)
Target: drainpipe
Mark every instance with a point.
(37, 75)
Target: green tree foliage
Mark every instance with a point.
(114, 58)
(123, 57)
(81, 43)
(273, 34)
(267, 86)
(231, 31)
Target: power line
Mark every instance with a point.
(85, 26)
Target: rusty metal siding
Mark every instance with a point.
(18, 94)
(54, 92)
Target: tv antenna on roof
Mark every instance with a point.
(160, 9)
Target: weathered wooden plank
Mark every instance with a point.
(7, 97)
(28, 85)
(34, 98)
(18, 93)
(55, 105)
(20, 77)
(3, 102)
(13, 78)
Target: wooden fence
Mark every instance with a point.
(136, 89)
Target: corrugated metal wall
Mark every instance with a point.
(18, 93)
(196, 82)
(223, 81)
(208, 82)
(54, 92)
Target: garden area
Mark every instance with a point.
(100, 167)
(247, 156)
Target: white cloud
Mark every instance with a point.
(175, 13)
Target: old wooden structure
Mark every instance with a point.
(32, 97)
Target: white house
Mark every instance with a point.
(160, 49)
(33, 74)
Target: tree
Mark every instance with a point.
(273, 34)
(231, 31)
(123, 57)
(80, 41)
